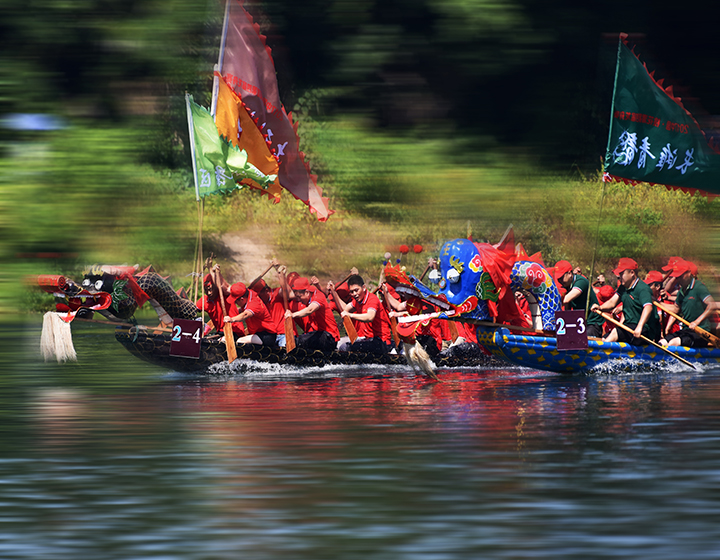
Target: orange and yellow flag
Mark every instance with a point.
(235, 123)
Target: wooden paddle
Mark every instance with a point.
(259, 277)
(350, 329)
(711, 338)
(289, 326)
(431, 264)
(347, 321)
(454, 334)
(227, 327)
(610, 318)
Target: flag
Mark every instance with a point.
(235, 124)
(217, 163)
(248, 69)
(653, 138)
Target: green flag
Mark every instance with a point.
(653, 138)
(218, 165)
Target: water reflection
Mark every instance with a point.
(141, 463)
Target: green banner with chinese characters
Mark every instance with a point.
(218, 164)
(652, 137)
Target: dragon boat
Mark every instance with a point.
(540, 352)
(116, 292)
(478, 284)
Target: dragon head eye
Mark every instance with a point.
(453, 276)
(98, 285)
(434, 276)
(86, 283)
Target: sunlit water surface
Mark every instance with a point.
(113, 458)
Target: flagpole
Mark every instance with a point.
(602, 196)
(221, 55)
(191, 129)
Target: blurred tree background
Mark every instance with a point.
(424, 120)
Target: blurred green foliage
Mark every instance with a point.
(424, 121)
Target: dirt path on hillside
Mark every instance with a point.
(251, 254)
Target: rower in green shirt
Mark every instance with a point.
(577, 287)
(694, 303)
(638, 308)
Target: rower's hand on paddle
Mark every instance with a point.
(274, 263)
(228, 319)
(354, 270)
(637, 333)
(314, 280)
(282, 269)
(288, 314)
(330, 286)
(692, 325)
(344, 314)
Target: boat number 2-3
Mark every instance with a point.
(186, 339)
(561, 326)
(571, 330)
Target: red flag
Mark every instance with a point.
(249, 69)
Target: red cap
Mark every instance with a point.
(692, 267)
(625, 264)
(301, 283)
(679, 268)
(561, 267)
(671, 261)
(605, 293)
(237, 291)
(258, 286)
(291, 278)
(654, 276)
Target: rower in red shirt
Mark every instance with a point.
(368, 317)
(210, 302)
(321, 331)
(257, 318)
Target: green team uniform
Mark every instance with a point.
(634, 299)
(582, 284)
(691, 302)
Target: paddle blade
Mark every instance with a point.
(350, 329)
(230, 342)
(289, 335)
(417, 357)
(395, 335)
(454, 334)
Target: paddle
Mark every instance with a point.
(711, 338)
(347, 321)
(261, 276)
(431, 264)
(227, 327)
(289, 327)
(610, 318)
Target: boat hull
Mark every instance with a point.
(155, 348)
(539, 352)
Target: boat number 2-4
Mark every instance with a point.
(571, 330)
(186, 339)
(178, 332)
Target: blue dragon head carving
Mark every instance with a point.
(460, 270)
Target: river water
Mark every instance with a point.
(113, 458)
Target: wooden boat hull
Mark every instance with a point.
(539, 352)
(155, 348)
